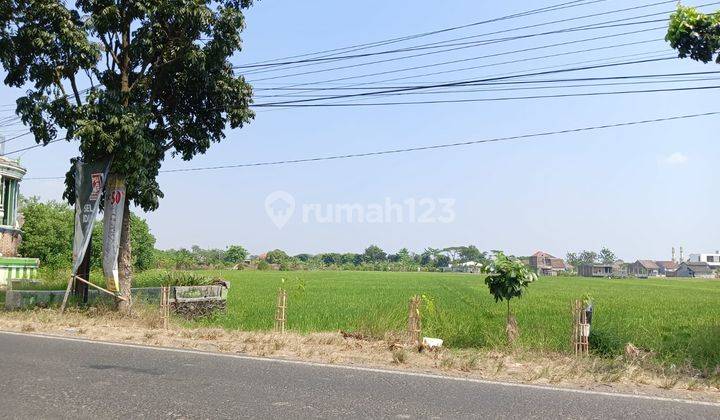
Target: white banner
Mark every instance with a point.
(112, 227)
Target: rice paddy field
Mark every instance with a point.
(676, 319)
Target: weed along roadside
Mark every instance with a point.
(371, 309)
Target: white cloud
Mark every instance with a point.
(676, 158)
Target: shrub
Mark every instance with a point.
(173, 278)
(605, 342)
(399, 356)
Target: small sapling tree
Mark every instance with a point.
(508, 278)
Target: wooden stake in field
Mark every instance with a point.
(414, 321)
(165, 305)
(280, 313)
(581, 329)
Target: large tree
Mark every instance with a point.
(158, 75)
(374, 254)
(606, 256)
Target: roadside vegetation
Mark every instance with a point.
(673, 321)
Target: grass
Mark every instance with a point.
(678, 320)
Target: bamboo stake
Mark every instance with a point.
(67, 294)
(414, 320)
(280, 312)
(580, 341)
(69, 287)
(100, 288)
(165, 305)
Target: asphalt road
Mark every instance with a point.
(42, 377)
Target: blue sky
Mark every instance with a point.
(638, 190)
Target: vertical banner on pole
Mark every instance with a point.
(112, 226)
(90, 180)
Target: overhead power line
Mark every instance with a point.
(466, 82)
(500, 99)
(464, 46)
(359, 47)
(431, 147)
(286, 65)
(462, 60)
(35, 146)
(555, 84)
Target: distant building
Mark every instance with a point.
(712, 259)
(603, 270)
(545, 264)
(695, 269)
(465, 267)
(644, 268)
(667, 268)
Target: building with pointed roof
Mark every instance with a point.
(545, 264)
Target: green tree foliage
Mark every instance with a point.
(235, 254)
(508, 278)
(589, 257)
(606, 256)
(573, 259)
(48, 235)
(160, 78)
(332, 258)
(576, 259)
(374, 254)
(210, 257)
(472, 253)
(142, 243)
(694, 34)
(277, 256)
(441, 261)
(184, 259)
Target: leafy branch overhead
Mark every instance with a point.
(694, 34)
(157, 73)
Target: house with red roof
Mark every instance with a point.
(545, 264)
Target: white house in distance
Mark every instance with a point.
(712, 259)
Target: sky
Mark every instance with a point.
(638, 190)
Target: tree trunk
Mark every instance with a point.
(125, 257)
(125, 261)
(511, 328)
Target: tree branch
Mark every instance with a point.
(109, 50)
(75, 89)
(141, 75)
(168, 146)
(58, 82)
